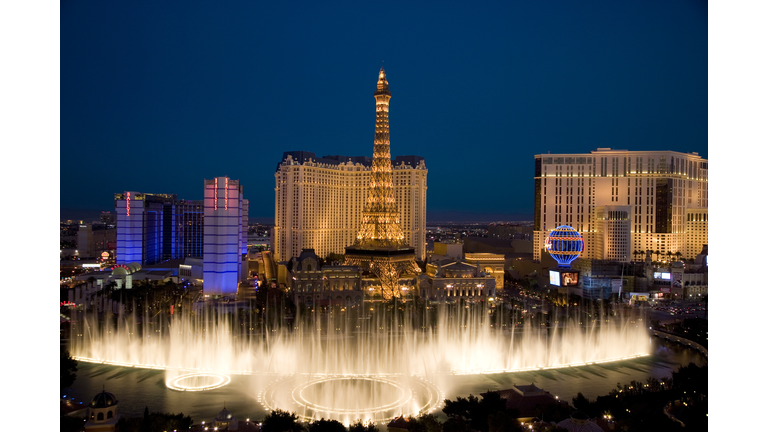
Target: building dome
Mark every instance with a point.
(579, 422)
(224, 415)
(125, 269)
(103, 400)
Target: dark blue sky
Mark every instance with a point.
(157, 96)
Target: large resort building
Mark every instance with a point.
(153, 229)
(319, 202)
(370, 209)
(623, 202)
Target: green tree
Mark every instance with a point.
(424, 423)
(68, 367)
(503, 422)
(360, 427)
(154, 422)
(553, 411)
(281, 421)
(691, 378)
(334, 259)
(581, 403)
(71, 424)
(455, 425)
(473, 412)
(324, 425)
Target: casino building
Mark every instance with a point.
(320, 201)
(157, 227)
(623, 202)
(154, 228)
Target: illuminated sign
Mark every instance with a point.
(570, 278)
(564, 244)
(216, 193)
(564, 277)
(127, 203)
(104, 255)
(554, 278)
(226, 192)
(662, 275)
(91, 265)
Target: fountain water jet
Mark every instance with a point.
(385, 351)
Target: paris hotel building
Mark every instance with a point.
(623, 201)
(319, 202)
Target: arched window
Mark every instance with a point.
(109, 414)
(100, 416)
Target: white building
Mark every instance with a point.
(223, 250)
(319, 202)
(452, 280)
(655, 199)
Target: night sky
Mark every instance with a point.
(157, 96)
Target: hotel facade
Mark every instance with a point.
(319, 202)
(225, 247)
(624, 201)
(153, 228)
(157, 227)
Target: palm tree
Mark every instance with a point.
(678, 255)
(669, 256)
(657, 253)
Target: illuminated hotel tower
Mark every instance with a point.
(223, 230)
(380, 247)
(623, 202)
(152, 228)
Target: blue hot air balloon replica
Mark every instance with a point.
(564, 244)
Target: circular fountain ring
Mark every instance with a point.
(198, 381)
(407, 395)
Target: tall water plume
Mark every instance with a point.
(369, 339)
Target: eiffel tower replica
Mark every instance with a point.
(380, 246)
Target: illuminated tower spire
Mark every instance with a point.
(380, 246)
(380, 224)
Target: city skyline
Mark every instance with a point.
(159, 95)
